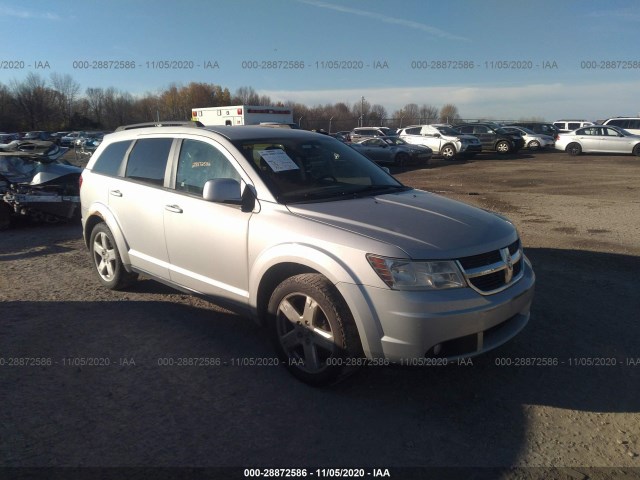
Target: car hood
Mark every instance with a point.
(424, 225)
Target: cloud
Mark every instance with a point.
(628, 14)
(26, 14)
(436, 32)
(550, 101)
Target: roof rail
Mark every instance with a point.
(169, 123)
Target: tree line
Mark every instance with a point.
(58, 103)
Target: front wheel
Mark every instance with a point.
(503, 146)
(401, 159)
(636, 150)
(313, 330)
(448, 152)
(106, 259)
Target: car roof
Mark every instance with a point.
(230, 132)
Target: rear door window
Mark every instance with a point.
(148, 160)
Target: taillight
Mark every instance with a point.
(80, 182)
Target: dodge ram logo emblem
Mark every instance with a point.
(508, 271)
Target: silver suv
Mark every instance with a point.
(442, 139)
(344, 264)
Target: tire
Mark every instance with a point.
(313, 330)
(503, 147)
(448, 152)
(534, 145)
(636, 150)
(574, 149)
(401, 159)
(107, 261)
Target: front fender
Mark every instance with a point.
(340, 273)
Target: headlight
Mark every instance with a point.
(404, 274)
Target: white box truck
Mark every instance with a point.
(244, 115)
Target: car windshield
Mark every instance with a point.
(526, 130)
(319, 169)
(503, 131)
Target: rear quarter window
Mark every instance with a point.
(108, 163)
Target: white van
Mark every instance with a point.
(565, 126)
(630, 124)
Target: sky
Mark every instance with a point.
(499, 59)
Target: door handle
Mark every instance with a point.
(115, 193)
(173, 208)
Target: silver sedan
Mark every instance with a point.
(598, 138)
(393, 151)
(532, 140)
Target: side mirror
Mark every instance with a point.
(222, 190)
(227, 190)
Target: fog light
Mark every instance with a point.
(437, 349)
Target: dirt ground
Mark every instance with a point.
(84, 380)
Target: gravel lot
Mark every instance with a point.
(579, 219)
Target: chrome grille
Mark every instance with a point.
(492, 272)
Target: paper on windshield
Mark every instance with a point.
(278, 160)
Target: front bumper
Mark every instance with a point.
(458, 322)
(471, 148)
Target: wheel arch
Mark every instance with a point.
(287, 260)
(101, 214)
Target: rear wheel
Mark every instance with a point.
(636, 150)
(5, 215)
(574, 149)
(534, 145)
(448, 152)
(313, 330)
(106, 259)
(503, 146)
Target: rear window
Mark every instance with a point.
(108, 163)
(148, 160)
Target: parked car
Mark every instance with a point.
(70, 139)
(565, 126)
(493, 137)
(600, 139)
(532, 140)
(345, 134)
(541, 128)
(6, 138)
(341, 137)
(362, 133)
(297, 230)
(57, 137)
(393, 151)
(35, 183)
(630, 124)
(442, 139)
(37, 135)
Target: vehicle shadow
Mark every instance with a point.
(31, 244)
(192, 386)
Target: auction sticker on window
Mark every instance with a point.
(278, 160)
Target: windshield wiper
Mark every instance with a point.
(369, 189)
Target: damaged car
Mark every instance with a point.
(36, 183)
